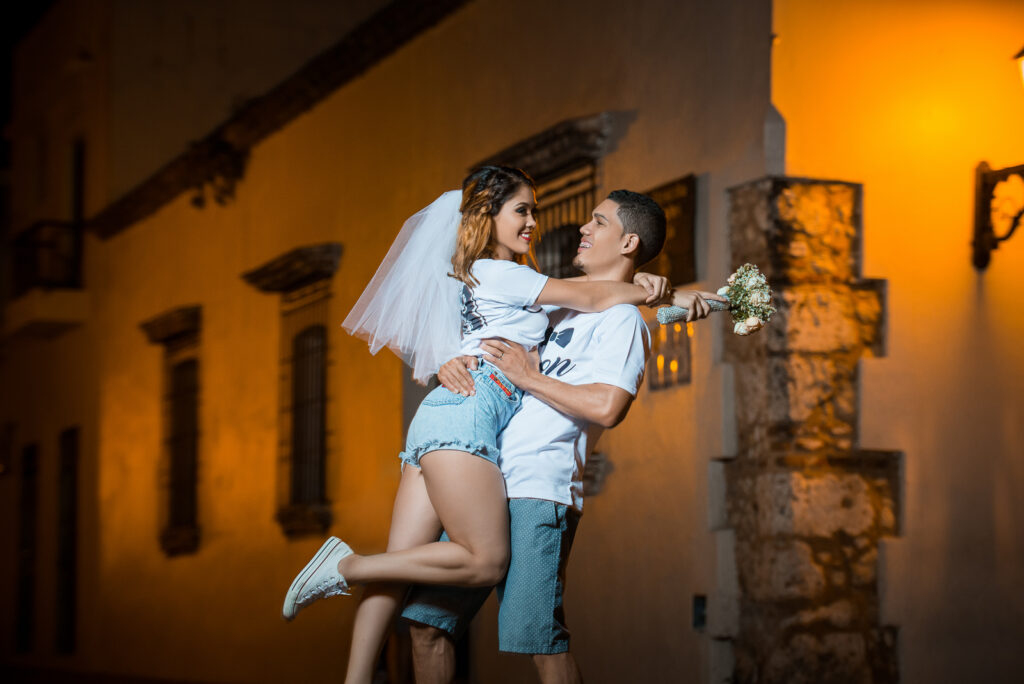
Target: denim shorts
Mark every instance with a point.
(446, 420)
(531, 617)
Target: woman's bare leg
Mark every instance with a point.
(468, 494)
(413, 523)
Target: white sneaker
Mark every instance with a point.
(319, 579)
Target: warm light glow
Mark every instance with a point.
(689, 329)
(678, 327)
(674, 366)
(661, 363)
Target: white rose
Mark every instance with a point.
(753, 324)
(723, 291)
(731, 279)
(740, 328)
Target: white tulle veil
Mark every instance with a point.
(411, 305)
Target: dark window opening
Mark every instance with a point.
(67, 541)
(309, 379)
(25, 618)
(181, 534)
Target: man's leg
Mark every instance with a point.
(531, 617)
(557, 668)
(437, 616)
(433, 655)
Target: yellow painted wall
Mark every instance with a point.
(906, 98)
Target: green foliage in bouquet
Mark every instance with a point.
(750, 299)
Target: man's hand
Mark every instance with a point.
(659, 289)
(695, 303)
(455, 377)
(514, 361)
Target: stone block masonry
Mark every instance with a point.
(806, 505)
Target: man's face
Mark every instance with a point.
(602, 240)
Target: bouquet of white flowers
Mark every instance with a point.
(750, 302)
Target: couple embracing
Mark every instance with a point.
(491, 486)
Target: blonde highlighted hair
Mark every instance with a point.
(484, 193)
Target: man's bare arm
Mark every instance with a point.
(598, 403)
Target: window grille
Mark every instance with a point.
(25, 618)
(563, 205)
(303, 393)
(677, 260)
(309, 371)
(67, 541)
(669, 364)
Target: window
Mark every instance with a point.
(563, 161)
(302, 277)
(25, 618)
(677, 260)
(67, 541)
(178, 331)
(669, 364)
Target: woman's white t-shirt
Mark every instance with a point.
(502, 305)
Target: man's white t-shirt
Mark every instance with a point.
(502, 305)
(543, 451)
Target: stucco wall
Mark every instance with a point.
(690, 85)
(907, 98)
(182, 68)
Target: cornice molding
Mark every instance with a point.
(297, 268)
(218, 161)
(564, 147)
(185, 320)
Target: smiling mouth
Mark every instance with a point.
(525, 236)
(584, 245)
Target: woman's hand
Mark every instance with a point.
(455, 377)
(695, 303)
(659, 289)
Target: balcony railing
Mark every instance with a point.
(47, 255)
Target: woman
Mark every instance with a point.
(455, 483)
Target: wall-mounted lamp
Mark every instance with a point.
(1010, 209)
(1020, 62)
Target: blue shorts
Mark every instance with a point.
(531, 617)
(446, 420)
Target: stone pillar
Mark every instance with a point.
(805, 506)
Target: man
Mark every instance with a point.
(589, 370)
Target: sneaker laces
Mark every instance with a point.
(325, 588)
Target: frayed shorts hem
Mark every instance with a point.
(412, 456)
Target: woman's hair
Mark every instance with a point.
(484, 193)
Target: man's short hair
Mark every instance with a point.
(642, 216)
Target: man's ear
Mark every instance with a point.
(630, 244)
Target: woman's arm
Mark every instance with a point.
(592, 295)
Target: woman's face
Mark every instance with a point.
(514, 224)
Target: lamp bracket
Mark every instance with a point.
(985, 238)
